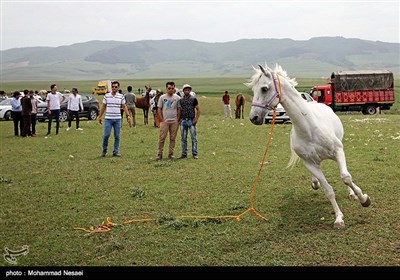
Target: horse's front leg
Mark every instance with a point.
(146, 116)
(316, 171)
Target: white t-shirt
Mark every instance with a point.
(55, 100)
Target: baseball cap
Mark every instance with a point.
(186, 86)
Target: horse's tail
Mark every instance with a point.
(294, 158)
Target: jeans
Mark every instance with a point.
(56, 115)
(187, 125)
(108, 125)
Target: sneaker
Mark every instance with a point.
(159, 157)
(195, 157)
(103, 154)
(183, 156)
(116, 155)
(171, 156)
(80, 129)
(48, 133)
(68, 129)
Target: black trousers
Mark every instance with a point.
(55, 114)
(33, 123)
(71, 115)
(17, 119)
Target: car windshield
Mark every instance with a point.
(6, 101)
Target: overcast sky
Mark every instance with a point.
(29, 23)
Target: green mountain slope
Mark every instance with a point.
(187, 58)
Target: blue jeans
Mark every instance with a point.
(108, 124)
(187, 125)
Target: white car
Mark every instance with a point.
(5, 109)
(281, 113)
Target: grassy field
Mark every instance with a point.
(51, 185)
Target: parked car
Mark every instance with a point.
(90, 108)
(281, 113)
(5, 109)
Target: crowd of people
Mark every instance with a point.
(172, 111)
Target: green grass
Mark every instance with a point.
(45, 194)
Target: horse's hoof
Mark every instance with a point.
(353, 197)
(315, 186)
(367, 202)
(338, 225)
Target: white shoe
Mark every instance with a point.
(80, 129)
(68, 129)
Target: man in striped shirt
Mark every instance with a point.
(113, 102)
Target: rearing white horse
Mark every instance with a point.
(316, 135)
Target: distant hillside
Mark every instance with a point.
(187, 58)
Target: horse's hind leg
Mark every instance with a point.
(316, 171)
(354, 191)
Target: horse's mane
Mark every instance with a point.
(278, 70)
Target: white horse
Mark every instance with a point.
(316, 134)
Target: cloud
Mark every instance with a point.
(56, 23)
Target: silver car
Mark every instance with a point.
(281, 113)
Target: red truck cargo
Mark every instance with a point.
(363, 91)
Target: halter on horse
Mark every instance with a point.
(316, 134)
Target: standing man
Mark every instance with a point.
(54, 100)
(16, 113)
(34, 103)
(130, 99)
(168, 111)
(227, 105)
(190, 113)
(26, 114)
(74, 106)
(113, 103)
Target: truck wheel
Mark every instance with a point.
(370, 110)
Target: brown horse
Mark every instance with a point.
(144, 103)
(154, 102)
(240, 101)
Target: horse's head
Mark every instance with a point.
(265, 88)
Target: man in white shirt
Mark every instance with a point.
(113, 102)
(54, 100)
(74, 106)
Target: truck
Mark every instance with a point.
(102, 87)
(365, 91)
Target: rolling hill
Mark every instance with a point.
(315, 57)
